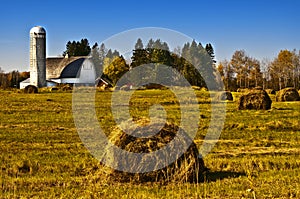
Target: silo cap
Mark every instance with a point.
(37, 29)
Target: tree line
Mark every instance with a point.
(12, 79)
(244, 71)
(193, 61)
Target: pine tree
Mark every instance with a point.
(74, 48)
(210, 50)
(96, 59)
(139, 44)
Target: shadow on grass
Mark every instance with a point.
(213, 176)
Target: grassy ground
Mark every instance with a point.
(42, 155)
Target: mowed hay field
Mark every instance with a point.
(42, 156)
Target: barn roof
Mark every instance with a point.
(72, 69)
(61, 67)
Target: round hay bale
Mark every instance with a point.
(125, 88)
(154, 86)
(225, 95)
(287, 94)
(30, 89)
(197, 88)
(66, 88)
(53, 89)
(189, 167)
(258, 88)
(255, 99)
(204, 89)
(242, 90)
(270, 91)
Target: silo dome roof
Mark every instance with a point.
(37, 29)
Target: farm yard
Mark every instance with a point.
(42, 156)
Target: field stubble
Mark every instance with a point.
(42, 155)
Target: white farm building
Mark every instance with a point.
(45, 72)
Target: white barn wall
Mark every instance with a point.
(87, 73)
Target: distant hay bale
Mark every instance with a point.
(30, 89)
(258, 88)
(242, 90)
(270, 91)
(189, 167)
(255, 99)
(53, 89)
(67, 88)
(125, 88)
(225, 95)
(204, 89)
(197, 88)
(287, 94)
(154, 86)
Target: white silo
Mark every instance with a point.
(38, 56)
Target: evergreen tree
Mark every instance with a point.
(74, 48)
(97, 59)
(210, 50)
(139, 44)
(150, 44)
(140, 55)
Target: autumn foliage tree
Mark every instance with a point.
(284, 70)
(116, 69)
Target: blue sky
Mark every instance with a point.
(261, 27)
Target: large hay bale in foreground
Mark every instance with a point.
(270, 91)
(287, 94)
(225, 95)
(189, 167)
(30, 89)
(255, 99)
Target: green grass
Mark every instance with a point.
(42, 155)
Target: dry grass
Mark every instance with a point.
(43, 157)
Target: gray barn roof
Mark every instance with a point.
(72, 69)
(55, 66)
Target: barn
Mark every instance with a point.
(55, 70)
(68, 70)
